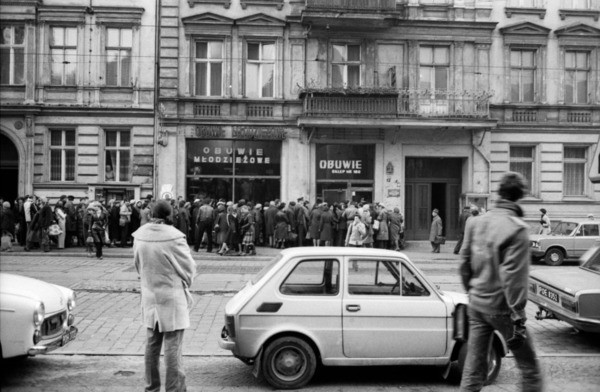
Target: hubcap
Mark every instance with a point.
(289, 363)
(554, 257)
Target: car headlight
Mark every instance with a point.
(535, 244)
(38, 314)
(71, 302)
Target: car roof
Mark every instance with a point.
(340, 251)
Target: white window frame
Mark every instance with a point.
(119, 48)
(12, 46)
(532, 182)
(64, 48)
(345, 63)
(522, 68)
(209, 61)
(583, 161)
(118, 149)
(63, 148)
(587, 70)
(261, 62)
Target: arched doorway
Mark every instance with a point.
(9, 169)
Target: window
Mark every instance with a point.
(574, 172)
(62, 155)
(313, 277)
(260, 68)
(434, 64)
(117, 161)
(521, 161)
(209, 68)
(345, 66)
(12, 55)
(382, 277)
(577, 68)
(63, 55)
(577, 4)
(118, 57)
(522, 75)
(589, 230)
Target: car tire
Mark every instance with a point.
(288, 363)
(494, 365)
(554, 257)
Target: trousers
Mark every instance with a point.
(481, 328)
(175, 377)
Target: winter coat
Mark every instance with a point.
(162, 258)
(314, 218)
(383, 233)
(436, 228)
(281, 226)
(395, 226)
(326, 222)
(495, 270)
(270, 220)
(356, 233)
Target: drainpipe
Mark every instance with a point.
(156, 92)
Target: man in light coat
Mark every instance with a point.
(166, 267)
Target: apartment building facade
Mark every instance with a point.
(77, 98)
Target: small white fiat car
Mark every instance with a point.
(35, 317)
(336, 306)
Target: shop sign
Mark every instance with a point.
(341, 162)
(209, 132)
(264, 133)
(219, 157)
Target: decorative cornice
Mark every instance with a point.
(579, 30)
(225, 3)
(540, 12)
(118, 15)
(63, 14)
(564, 13)
(267, 3)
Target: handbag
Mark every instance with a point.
(54, 229)
(376, 225)
(440, 239)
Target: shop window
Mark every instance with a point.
(345, 66)
(574, 172)
(522, 75)
(522, 161)
(313, 277)
(63, 56)
(209, 68)
(12, 55)
(118, 156)
(62, 155)
(260, 69)
(118, 56)
(577, 70)
(234, 169)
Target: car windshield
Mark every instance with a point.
(591, 259)
(564, 228)
(266, 269)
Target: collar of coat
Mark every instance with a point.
(157, 232)
(511, 206)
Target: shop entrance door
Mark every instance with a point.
(9, 169)
(432, 183)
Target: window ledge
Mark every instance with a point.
(564, 13)
(578, 199)
(540, 12)
(225, 3)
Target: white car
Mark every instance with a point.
(35, 317)
(336, 306)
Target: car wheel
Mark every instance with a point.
(289, 363)
(494, 364)
(554, 256)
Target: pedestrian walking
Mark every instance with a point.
(97, 223)
(545, 223)
(495, 273)
(462, 221)
(163, 259)
(435, 231)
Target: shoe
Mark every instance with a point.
(455, 253)
(100, 258)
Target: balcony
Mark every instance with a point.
(386, 103)
(368, 14)
(351, 5)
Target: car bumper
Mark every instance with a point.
(588, 325)
(537, 253)
(67, 335)
(227, 344)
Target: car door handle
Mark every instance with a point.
(352, 308)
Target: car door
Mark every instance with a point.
(389, 312)
(585, 237)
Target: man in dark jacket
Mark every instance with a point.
(495, 272)
(46, 217)
(462, 222)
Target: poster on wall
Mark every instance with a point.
(345, 162)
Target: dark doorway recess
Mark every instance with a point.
(9, 170)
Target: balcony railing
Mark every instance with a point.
(351, 5)
(390, 103)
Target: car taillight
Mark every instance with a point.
(569, 304)
(230, 325)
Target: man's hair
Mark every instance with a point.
(512, 186)
(162, 210)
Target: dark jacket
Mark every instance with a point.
(495, 268)
(46, 216)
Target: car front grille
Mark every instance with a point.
(53, 324)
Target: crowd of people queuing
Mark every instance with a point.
(227, 227)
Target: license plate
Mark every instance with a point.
(67, 337)
(544, 292)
